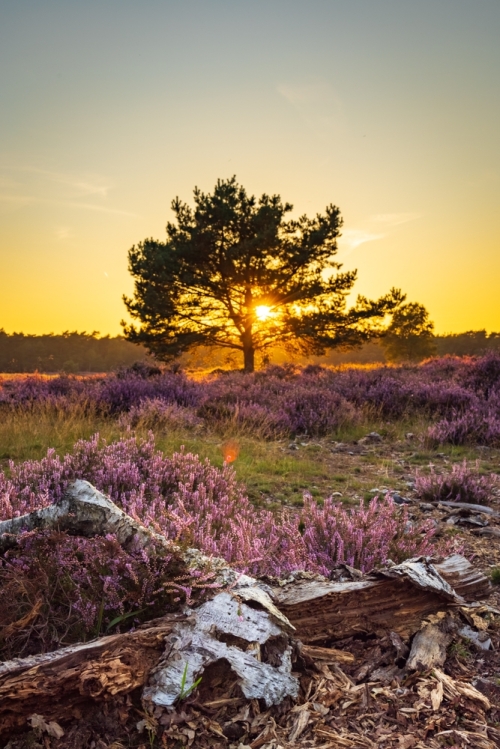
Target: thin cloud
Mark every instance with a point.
(33, 185)
(12, 202)
(16, 199)
(395, 219)
(86, 188)
(22, 200)
(83, 184)
(352, 238)
(318, 92)
(99, 208)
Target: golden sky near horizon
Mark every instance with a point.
(389, 109)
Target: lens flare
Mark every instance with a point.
(230, 451)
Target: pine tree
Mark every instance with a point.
(235, 273)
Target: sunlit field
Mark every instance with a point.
(281, 470)
(298, 429)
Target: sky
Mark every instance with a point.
(389, 109)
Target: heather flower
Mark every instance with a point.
(76, 587)
(284, 400)
(155, 413)
(463, 483)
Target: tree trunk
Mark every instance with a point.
(249, 357)
(398, 600)
(247, 337)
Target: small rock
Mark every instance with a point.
(399, 500)
(374, 437)
(426, 506)
(409, 435)
(293, 446)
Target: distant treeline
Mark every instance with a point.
(66, 352)
(89, 352)
(471, 343)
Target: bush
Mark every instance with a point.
(68, 588)
(196, 504)
(480, 425)
(65, 588)
(462, 484)
(155, 413)
(461, 395)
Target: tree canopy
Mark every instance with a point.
(410, 336)
(235, 272)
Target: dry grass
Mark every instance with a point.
(274, 472)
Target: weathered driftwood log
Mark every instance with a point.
(398, 600)
(239, 625)
(56, 685)
(83, 511)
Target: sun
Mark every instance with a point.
(262, 312)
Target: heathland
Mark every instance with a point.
(288, 468)
(271, 448)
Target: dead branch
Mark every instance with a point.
(398, 600)
(55, 684)
(239, 626)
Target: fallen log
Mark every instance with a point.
(57, 685)
(397, 599)
(240, 625)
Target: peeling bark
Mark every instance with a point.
(54, 684)
(398, 600)
(202, 640)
